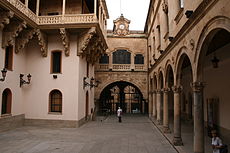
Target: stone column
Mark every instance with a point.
(63, 7)
(95, 7)
(159, 119)
(110, 60)
(37, 7)
(165, 19)
(154, 103)
(150, 104)
(177, 141)
(27, 3)
(198, 117)
(166, 111)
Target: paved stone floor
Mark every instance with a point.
(136, 134)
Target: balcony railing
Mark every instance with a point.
(67, 19)
(52, 20)
(120, 67)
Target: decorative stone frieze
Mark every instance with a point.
(11, 32)
(42, 41)
(24, 38)
(5, 18)
(91, 46)
(65, 40)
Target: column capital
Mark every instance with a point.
(177, 89)
(197, 86)
(158, 91)
(166, 90)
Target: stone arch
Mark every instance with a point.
(182, 54)
(208, 32)
(155, 81)
(160, 79)
(168, 68)
(6, 101)
(107, 82)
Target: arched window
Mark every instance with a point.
(121, 57)
(139, 59)
(56, 62)
(55, 101)
(104, 59)
(9, 58)
(6, 101)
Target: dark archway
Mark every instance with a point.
(122, 94)
(213, 69)
(6, 101)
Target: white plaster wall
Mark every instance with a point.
(37, 93)
(12, 81)
(82, 91)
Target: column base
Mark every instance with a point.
(159, 122)
(177, 141)
(166, 130)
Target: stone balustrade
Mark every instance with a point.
(55, 19)
(120, 67)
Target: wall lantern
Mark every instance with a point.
(22, 81)
(92, 82)
(215, 61)
(189, 13)
(3, 74)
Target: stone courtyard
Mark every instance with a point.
(136, 134)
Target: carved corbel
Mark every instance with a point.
(85, 40)
(5, 18)
(12, 32)
(24, 39)
(165, 6)
(42, 41)
(65, 40)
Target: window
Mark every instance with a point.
(56, 62)
(104, 59)
(9, 58)
(6, 101)
(55, 101)
(139, 59)
(121, 57)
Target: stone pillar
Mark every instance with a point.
(198, 117)
(150, 104)
(154, 104)
(27, 3)
(177, 141)
(132, 61)
(37, 7)
(111, 60)
(63, 7)
(95, 7)
(166, 111)
(159, 119)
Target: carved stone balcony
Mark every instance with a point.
(67, 19)
(120, 67)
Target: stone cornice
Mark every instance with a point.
(196, 17)
(65, 40)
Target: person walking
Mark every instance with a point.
(119, 113)
(216, 142)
